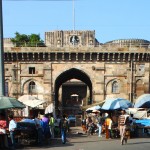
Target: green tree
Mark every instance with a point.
(20, 39)
(35, 39)
(23, 40)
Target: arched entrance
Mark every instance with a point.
(73, 89)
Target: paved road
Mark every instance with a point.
(82, 142)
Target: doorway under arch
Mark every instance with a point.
(65, 79)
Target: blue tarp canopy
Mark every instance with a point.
(143, 101)
(116, 103)
(143, 122)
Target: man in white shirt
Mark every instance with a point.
(12, 126)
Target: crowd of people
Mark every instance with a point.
(109, 125)
(47, 128)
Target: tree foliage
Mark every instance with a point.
(23, 40)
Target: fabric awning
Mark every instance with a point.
(10, 102)
(94, 104)
(31, 101)
(49, 108)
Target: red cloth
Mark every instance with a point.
(3, 124)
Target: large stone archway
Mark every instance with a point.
(68, 75)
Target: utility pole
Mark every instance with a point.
(2, 80)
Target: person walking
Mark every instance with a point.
(123, 121)
(39, 129)
(110, 128)
(132, 125)
(51, 124)
(12, 127)
(64, 126)
(99, 124)
(108, 125)
(89, 122)
(57, 126)
(46, 129)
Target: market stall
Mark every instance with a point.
(113, 106)
(143, 127)
(5, 104)
(26, 133)
(143, 119)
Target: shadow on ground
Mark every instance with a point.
(73, 134)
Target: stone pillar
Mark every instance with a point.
(33, 55)
(138, 57)
(108, 58)
(134, 55)
(124, 56)
(90, 56)
(17, 57)
(12, 58)
(76, 56)
(28, 56)
(103, 56)
(83, 56)
(55, 56)
(69, 56)
(49, 57)
(142, 56)
(63, 56)
(119, 56)
(113, 57)
(97, 56)
(22, 56)
(129, 57)
(44, 54)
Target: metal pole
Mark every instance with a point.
(131, 82)
(73, 15)
(2, 81)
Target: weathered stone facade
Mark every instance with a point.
(75, 59)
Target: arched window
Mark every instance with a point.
(32, 87)
(115, 87)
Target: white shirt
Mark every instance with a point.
(12, 125)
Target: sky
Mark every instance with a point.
(111, 19)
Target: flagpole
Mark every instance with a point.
(73, 18)
(73, 9)
(2, 80)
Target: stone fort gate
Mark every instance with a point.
(74, 70)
